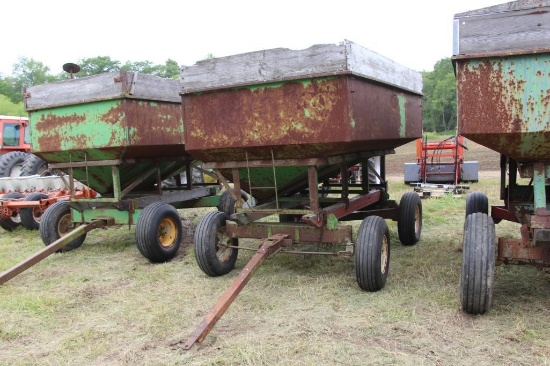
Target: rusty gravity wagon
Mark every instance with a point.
(502, 63)
(122, 135)
(279, 124)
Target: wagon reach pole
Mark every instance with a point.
(270, 246)
(52, 248)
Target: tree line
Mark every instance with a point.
(439, 100)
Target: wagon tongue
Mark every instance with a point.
(270, 246)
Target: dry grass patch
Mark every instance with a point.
(104, 304)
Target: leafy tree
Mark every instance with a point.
(170, 69)
(26, 72)
(144, 67)
(8, 108)
(97, 65)
(6, 88)
(439, 102)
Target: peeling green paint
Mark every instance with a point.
(307, 113)
(332, 222)
(87, 127)
(352, 123)
(402, 114)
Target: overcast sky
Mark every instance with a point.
(415, 33)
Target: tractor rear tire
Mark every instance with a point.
(34, 165)
(57, 222)
(409, 222)
(159, 232)
(211, 252)
(14, 221)
(11, 163)
(30, 217)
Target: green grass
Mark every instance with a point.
(104, 304)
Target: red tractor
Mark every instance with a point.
(15, 159)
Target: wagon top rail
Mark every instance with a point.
(283, 64)
(107, 86)
(512, 28)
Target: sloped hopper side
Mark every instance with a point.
(96, 120)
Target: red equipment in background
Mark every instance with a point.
(440, 161)
(440, 167)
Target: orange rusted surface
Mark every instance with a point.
(504, 104)
(317, 117)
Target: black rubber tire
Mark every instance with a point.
(227, 203)
(372, 253)
(409, 222)
(211, 255)
(34, 165)
(478, 264)
(15, 220)
(57, 222)
(159, 232)
(30, 217)
(11, 163)
(477, 202)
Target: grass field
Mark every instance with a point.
(104, 304)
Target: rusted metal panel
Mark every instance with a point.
(299, 233)
(114, 129)
(115, 116)
(504, 104)
(302, 119)
(520, 251)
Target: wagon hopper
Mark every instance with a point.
(279, 124)
(121, 134)
(502, 58)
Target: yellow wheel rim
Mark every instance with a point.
(168, 232)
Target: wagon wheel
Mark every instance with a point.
(211, 252)
(227, 203)
(477, 202)
(158, 232)
(57, 222)
(409, 223)
(11, 223)
(372, 253)
(30, 217)
(478, 264)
